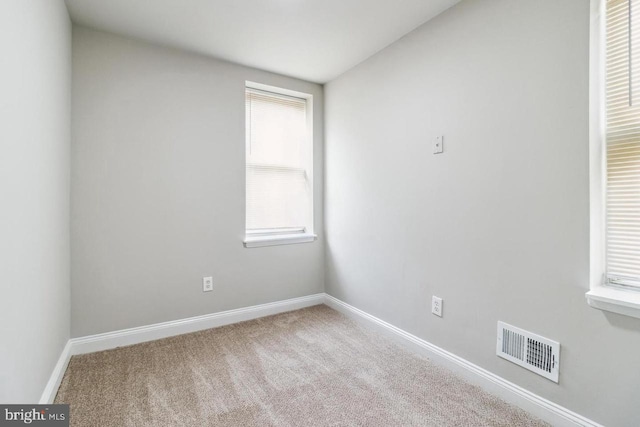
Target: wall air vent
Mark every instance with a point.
(531, 351)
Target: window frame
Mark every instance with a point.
(602, 294)
(262, 238)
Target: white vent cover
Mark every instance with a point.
(531, 351)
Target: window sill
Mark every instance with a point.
(285, 239)
(616, 300)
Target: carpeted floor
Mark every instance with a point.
(311, 367)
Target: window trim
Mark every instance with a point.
(601, 295)
(262, 238)
(616, 300)
(278, 239)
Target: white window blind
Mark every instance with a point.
(623, 141)
(278, 164)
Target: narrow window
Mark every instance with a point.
(279, 164)
(623, 142)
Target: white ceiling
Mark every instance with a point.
(314, 40)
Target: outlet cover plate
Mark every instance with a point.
(436, 306)
(207, 284)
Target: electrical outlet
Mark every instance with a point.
(207, 284)
(436, 306)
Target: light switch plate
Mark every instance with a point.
(438, 144)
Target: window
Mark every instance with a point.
(279, 165)
(623, 142)
(615, 156)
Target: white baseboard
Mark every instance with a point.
(141, 334)
(544, 409)
(50, 390)
(512, 393)
(109, 340)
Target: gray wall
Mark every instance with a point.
(35, 96)
(498, 225)
(158, 188)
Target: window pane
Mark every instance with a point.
(277, 158)
(623, 141)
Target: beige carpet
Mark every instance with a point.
(311, 367)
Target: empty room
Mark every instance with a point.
(320, 213)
